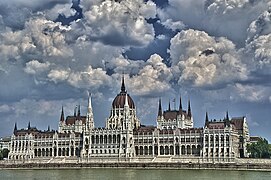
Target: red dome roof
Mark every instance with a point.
(119, 100)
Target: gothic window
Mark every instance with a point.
(114, 138)
(97, 139)
(150, 150)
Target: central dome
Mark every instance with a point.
(119, 100)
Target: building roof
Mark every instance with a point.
(119, 100)
(238, 122)
(170, 115)
(70, 120)
(254, 139)
(216, 125)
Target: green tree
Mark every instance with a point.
(5, 153)
(261, 149)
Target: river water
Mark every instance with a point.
(131, 174)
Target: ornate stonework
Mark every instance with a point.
(124, 136)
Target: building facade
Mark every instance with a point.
(124, 137)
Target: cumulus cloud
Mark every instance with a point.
(35, 67)
(204, 60)
(252, 93)
(60, 9)
(258, 43)
(40, 37)
(119, 23)
(220, 18)
(261, 26)
(153, 79)
(173, 25)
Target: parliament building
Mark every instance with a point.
(124, 138)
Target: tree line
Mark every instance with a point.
(259, 149)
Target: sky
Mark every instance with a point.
(216, 53)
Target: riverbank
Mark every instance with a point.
(151, 165)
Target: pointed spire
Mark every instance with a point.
(227, 116)
(79, 111)
(227, 119)
(206, 119)
(126, 101)
(48, 128)
(169, 109)
(62, 115)
(122, 84)
(189, 113)
(75, 111)
(15, 128)
(160, 108)
(89, 102)
(180, 105)
(28, 125)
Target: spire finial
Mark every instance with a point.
(169, 109)
(28, 125)
(122, 84)
(160, 108)
(48, 128)
(62, 115)
(189, 109)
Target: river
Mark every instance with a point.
(131, 174)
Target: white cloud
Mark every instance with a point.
(60, 9)
(35, 67)
(4, 108)
(202, 60)
(152, 79)
(148, 9)
(173, 25)
(58, 75)
(119, 23)
(217, 17)
(252, 93)
(261, 26)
